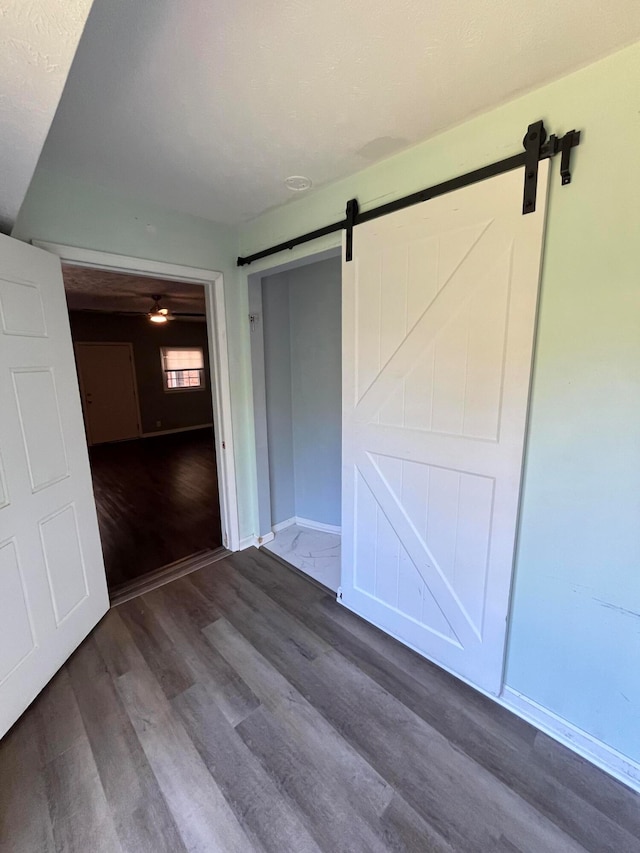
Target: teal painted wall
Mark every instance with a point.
(574, 643)
(575, 626)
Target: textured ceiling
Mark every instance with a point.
(38, 39)
(206, 107)
(96, 290)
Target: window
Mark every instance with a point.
(182, 368)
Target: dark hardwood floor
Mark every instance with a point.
(157, 501)
(240, 708)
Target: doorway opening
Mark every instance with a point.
(142, 355)
(297, 372)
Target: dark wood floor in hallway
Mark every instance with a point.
(240, 708)
(157, 501)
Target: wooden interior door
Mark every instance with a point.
(439, 311)
(108, 384)
(52, 580)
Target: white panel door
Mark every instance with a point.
(108, 384)
(439, 311)
(52, 580)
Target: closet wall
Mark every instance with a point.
(277, 368)
(301, 312)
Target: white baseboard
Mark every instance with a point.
(170, 431)
(308, 523)
(620, 766)
(318, 525)
(603, 756)
(282, 525)
(256, 541)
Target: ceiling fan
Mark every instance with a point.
(158, 314)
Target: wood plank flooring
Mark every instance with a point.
(239, 708)
(157, 501)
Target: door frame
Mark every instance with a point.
(220, 390)
(132, 362)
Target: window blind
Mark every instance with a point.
(182, 358)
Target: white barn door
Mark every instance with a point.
(439, 308)
(52, 580)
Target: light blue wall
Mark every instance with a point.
(60, 209)
(302, 344)
(574, 642)
(315, 309)
(575, 622)
(277, 370)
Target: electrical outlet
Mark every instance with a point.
(158, 423)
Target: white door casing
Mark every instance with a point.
(439, 311)
(108, 387)
(52, 580)
(219, 367)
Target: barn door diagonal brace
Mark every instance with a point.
(536, 147)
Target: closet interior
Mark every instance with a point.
(301, 329)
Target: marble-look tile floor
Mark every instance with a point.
(312, 551)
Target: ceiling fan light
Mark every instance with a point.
(158, 314)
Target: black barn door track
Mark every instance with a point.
(537, 147)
